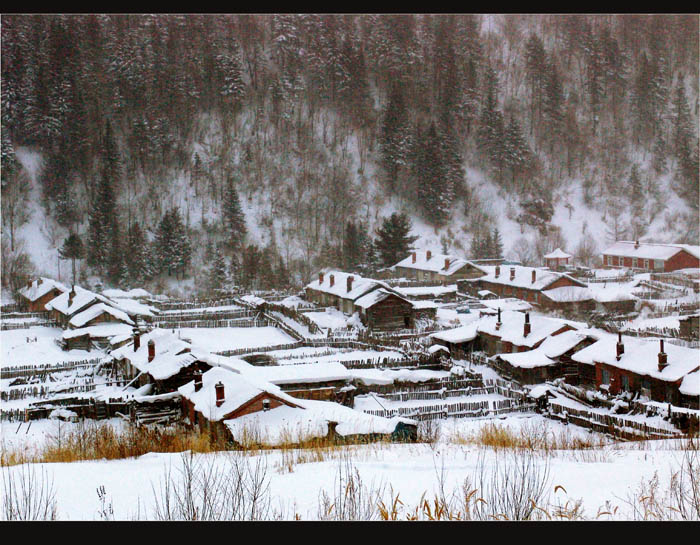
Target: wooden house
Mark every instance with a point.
(384, 310)
(526, 283)
(654, 257)
(558, 259)
(690, 327)
(423, 265)
(650, 367)
(34, 296)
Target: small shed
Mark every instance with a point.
(557, 259)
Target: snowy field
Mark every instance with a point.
(233, 338)
(18, 347)
(604, 479)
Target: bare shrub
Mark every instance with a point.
(205, 489)
(27, 495)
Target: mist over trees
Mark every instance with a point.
(161, 134)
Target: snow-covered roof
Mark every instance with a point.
(131, 294)
(435, 291)
(172, 354)
(508, 303)
(134, 308)
(557, 345)
(523, 277)
(691, 384)
(41, 287)
(80, 319)
(546, 354)
(569, 294)
(81, 299)
(101, 331)
(373, 297)
(237, 391)
(458, 335)
(557, 254)
(360, 285)
(641, 357)
(512, 327)
(527, 360)
(389, 376)
(436, 263)
(302, 373)
(649, 250)
(437, 348)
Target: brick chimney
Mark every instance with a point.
(151, 350)
(71, 296)
(447, 263)
(428, 255)
(663, 357)
(332, 279)
(620, 347)
(413, 257)
(498, 271)
(29, 284)
(39, 281)
(349, 281)
(197, 380)
(219, 394)
(320, 278)
(526, 328)
(636, 244)
(534, 275)
(137, 339)
(512, 274)
(498, 323)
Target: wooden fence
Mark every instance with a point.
(229, 314)
(614, 425)
(236, 322)
(38, 370)
(4, 326)
(465, 409)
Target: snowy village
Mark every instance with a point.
(236, 326)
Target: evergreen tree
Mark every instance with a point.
(393, 241)
(435, 193)
(72, 249)
(352, 250)
(394, 138)
(138, 264)
(658, 161)
(218, 277)
(233, 217)
(634, 186)
(496, 244)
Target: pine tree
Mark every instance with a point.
(72, 249)
(517, 154)
(233, 217)
(218, 277)
(16, 190)
(352, 250)
(496, 244)
(138, 264)
(658, 161)
(394, 138)
(434, 192)
(393, 240)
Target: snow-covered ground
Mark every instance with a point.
(18, 347)
(604, 479)
(233, 338)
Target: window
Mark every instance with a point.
(609, 261)
(266, 404)
(659, 264)
(605, 376)
(625, 383)
(620, 261)
(635, 263)
(646, 263)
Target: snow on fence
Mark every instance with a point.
(611, 424)
(239, 322)
(45, 391)
(193, 303)
(4, 326)
(229, 314)
(473, 409)
(34, 370)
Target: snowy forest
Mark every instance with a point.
(251, 150)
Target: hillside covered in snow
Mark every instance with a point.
(261, 147)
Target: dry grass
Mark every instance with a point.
(93, 441)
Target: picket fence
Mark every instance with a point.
(213, 315)
(238, 322)
(611, 424)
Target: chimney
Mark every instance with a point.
(413, 257)
(663, 357)
(197, 380)
(137, 339)
(526, 329)
(636, 244)
(71, 296)
(349, 282)
(534, 275)
(447, 263)
(151, 350)
(39, 281)
(512, 274)
(620, 347)
(498, 270)
(320, 278)
(332, 279)
(498, 323)
(219, 394)
(29, 284)
(428, 255)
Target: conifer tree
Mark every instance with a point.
(218, 277)
(393, 241)
(72, 249)
(234, 219)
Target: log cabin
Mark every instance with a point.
(423, 265)
(34, 296)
